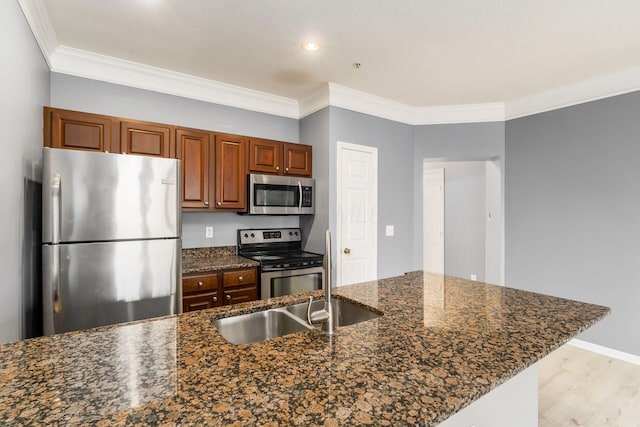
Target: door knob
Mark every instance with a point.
(347, 251)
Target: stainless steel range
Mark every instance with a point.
(285, 269)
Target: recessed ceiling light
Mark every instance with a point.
(311, 45)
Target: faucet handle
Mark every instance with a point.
(317, 316)
(309, 310)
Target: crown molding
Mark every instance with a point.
(66, 60)
(315, 101)
(38, 19)
(578, 93)
(81, 63)
(362, 102)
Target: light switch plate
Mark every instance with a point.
(208, 232)
(389, 230)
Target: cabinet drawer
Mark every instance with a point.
(200, 283)
(238, 295)
(239, 277)
(200, 301)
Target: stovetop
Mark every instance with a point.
(276, 248)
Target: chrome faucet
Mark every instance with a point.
(325, 315)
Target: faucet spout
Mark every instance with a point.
(325, 315)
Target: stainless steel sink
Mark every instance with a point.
(344, 312)
(259, 326)
(276, 322)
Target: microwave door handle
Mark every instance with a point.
(299, 198)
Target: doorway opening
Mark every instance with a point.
(463, 230)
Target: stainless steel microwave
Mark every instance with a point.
(280, 195)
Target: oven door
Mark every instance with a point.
(290, 282)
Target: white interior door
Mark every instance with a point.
(357, 219)
(433, 211)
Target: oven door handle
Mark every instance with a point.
(300, 196)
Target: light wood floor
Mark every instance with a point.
(582, 388)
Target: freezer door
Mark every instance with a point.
(88, 196)
(96, 284)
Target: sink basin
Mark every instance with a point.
(276, 322)
(344, 312)
(260, 326)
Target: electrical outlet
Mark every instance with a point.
(208, 232)
(389, 230)
(474, 277)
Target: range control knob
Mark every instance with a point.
(253, 235)
(291, 233)
(296, 233)
(246, 235)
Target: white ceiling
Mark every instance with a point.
(420, 53)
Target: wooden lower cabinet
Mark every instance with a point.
(200, 301)
(201, 291)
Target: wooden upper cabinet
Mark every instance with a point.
(279, 158)
(231, 172)
(77, 131)
(195, 150)
(265, 156)
(297, 159)
(147, 139)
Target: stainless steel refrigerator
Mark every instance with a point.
(111, 231)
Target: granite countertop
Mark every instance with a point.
(441, 343)
(207, 260)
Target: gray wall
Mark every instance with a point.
(464, 222)
(573, 210)
(467, 141)
(314, 130)
(76, 93)
(395, 181)
(24, 84)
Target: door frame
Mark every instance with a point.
(338, 240)
(498, 162)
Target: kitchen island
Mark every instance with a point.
(441, 343)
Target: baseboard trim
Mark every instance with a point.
(606, 351)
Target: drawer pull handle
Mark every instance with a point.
(200, 284)
(240, 279)
(228, 297)
(215, 299)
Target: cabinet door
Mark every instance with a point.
(238, 295)
(147, 139)
(297, 159)
(77, 131)
(265, 156)
(231, 172)
(194, 149)
(200, 301)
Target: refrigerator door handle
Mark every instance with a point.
(56, 187)
(55, 279)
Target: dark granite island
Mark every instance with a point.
(441, 344)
